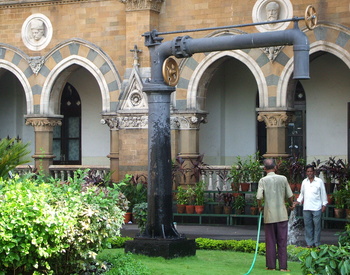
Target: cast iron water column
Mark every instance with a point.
(159, 226)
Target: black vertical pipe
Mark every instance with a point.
(160, 212)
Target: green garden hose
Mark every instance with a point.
(257, 245)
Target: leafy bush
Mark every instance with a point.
(119, 242)
(55, 226)
(140, 215)
(326, 259)
(12, 153)
(233, 245)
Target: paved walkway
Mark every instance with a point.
(237, 232)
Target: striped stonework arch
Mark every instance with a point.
(15, 61)
(327, 37)
(65, 58)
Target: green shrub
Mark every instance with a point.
(12, 153)
(233, 245)
(55, 226)
(140, 215)
(119, 242)
(326, 259)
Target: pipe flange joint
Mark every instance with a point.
(179, 48)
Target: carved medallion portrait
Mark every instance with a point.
(36, 32)
(272, 10)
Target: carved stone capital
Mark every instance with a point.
(187, 121)
(127, 121)
(135, 5)
(275, 119)
(111, 121)
(43, 124)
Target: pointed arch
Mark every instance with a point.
(50, 107)
(336, 48)
(24, 82)
(196, 91)
(9, 54)
(69, 56)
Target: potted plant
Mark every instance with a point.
(256, 171)
(228, 198)
(329, 171)
(220, 203)
(245, 173)
(135, 189)
(235, 176)
(239, 204)
(181, 199)
(199, 196)
(254, 206)
(339, 199)
(190, 198)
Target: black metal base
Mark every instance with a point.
(167, 249)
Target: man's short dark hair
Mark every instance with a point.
(310, 166)
(269, 164)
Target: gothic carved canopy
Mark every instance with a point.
(134, 5)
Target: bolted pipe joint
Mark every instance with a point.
(179, 48)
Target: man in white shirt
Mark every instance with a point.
(314, 198)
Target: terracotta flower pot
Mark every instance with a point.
(218, 209)
(338, 213)
(127, 217)
(189, 209)
(245, 186)
(227, 209)
(181, 208)
(199, 209)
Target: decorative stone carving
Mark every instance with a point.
(43, 124)
(187, 121)
(36, 32)
(272, 52)
(35, 63)
(133, 97)
(134, 5)
(271, 10)
(112, 122)
(275, 119)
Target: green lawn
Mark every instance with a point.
(209, 262)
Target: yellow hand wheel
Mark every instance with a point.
(310, 17)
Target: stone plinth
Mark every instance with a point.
(167, 249)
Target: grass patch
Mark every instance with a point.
(206, 262)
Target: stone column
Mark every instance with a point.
(276, 126)
(188, 125)
(43, 129)
(113, 124)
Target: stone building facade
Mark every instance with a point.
(72, 74)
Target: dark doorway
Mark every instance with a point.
(261, 132)
(67, 138)
(296, 129)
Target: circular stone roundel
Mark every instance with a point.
(270, 10)
(36, 32)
